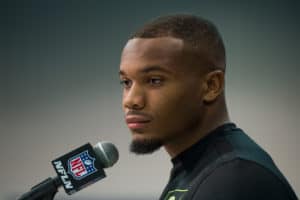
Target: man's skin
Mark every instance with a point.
(168, 95)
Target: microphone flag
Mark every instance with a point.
(78, 168)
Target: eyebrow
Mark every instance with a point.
(149, 69)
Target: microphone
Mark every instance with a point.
(76, 170)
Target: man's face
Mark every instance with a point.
(162, 96)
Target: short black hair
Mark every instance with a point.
(198, 33)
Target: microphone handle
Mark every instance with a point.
(45, 190)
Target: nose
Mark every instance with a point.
(134, 98)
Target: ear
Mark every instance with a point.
(213, 85)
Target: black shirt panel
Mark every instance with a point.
(240, 179)
(199, 171)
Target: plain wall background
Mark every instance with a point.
(60, 86)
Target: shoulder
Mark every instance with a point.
(240, 179)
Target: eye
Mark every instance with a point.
(155, 81)
(126, 83)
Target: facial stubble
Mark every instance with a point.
(145, 146)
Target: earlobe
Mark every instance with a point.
(214, 85)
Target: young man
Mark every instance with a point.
(172, 70)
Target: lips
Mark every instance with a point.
(137, 121)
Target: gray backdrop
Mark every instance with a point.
(60, 86)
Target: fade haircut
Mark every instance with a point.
(199, 34)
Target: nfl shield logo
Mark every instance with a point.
(81, 165)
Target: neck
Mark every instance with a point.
(215, 116)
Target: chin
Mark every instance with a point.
(144, 145)
(139, 136)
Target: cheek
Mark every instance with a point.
(177, 105)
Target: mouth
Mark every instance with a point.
(135, 122)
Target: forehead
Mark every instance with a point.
(153, 46)
(142, 52)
